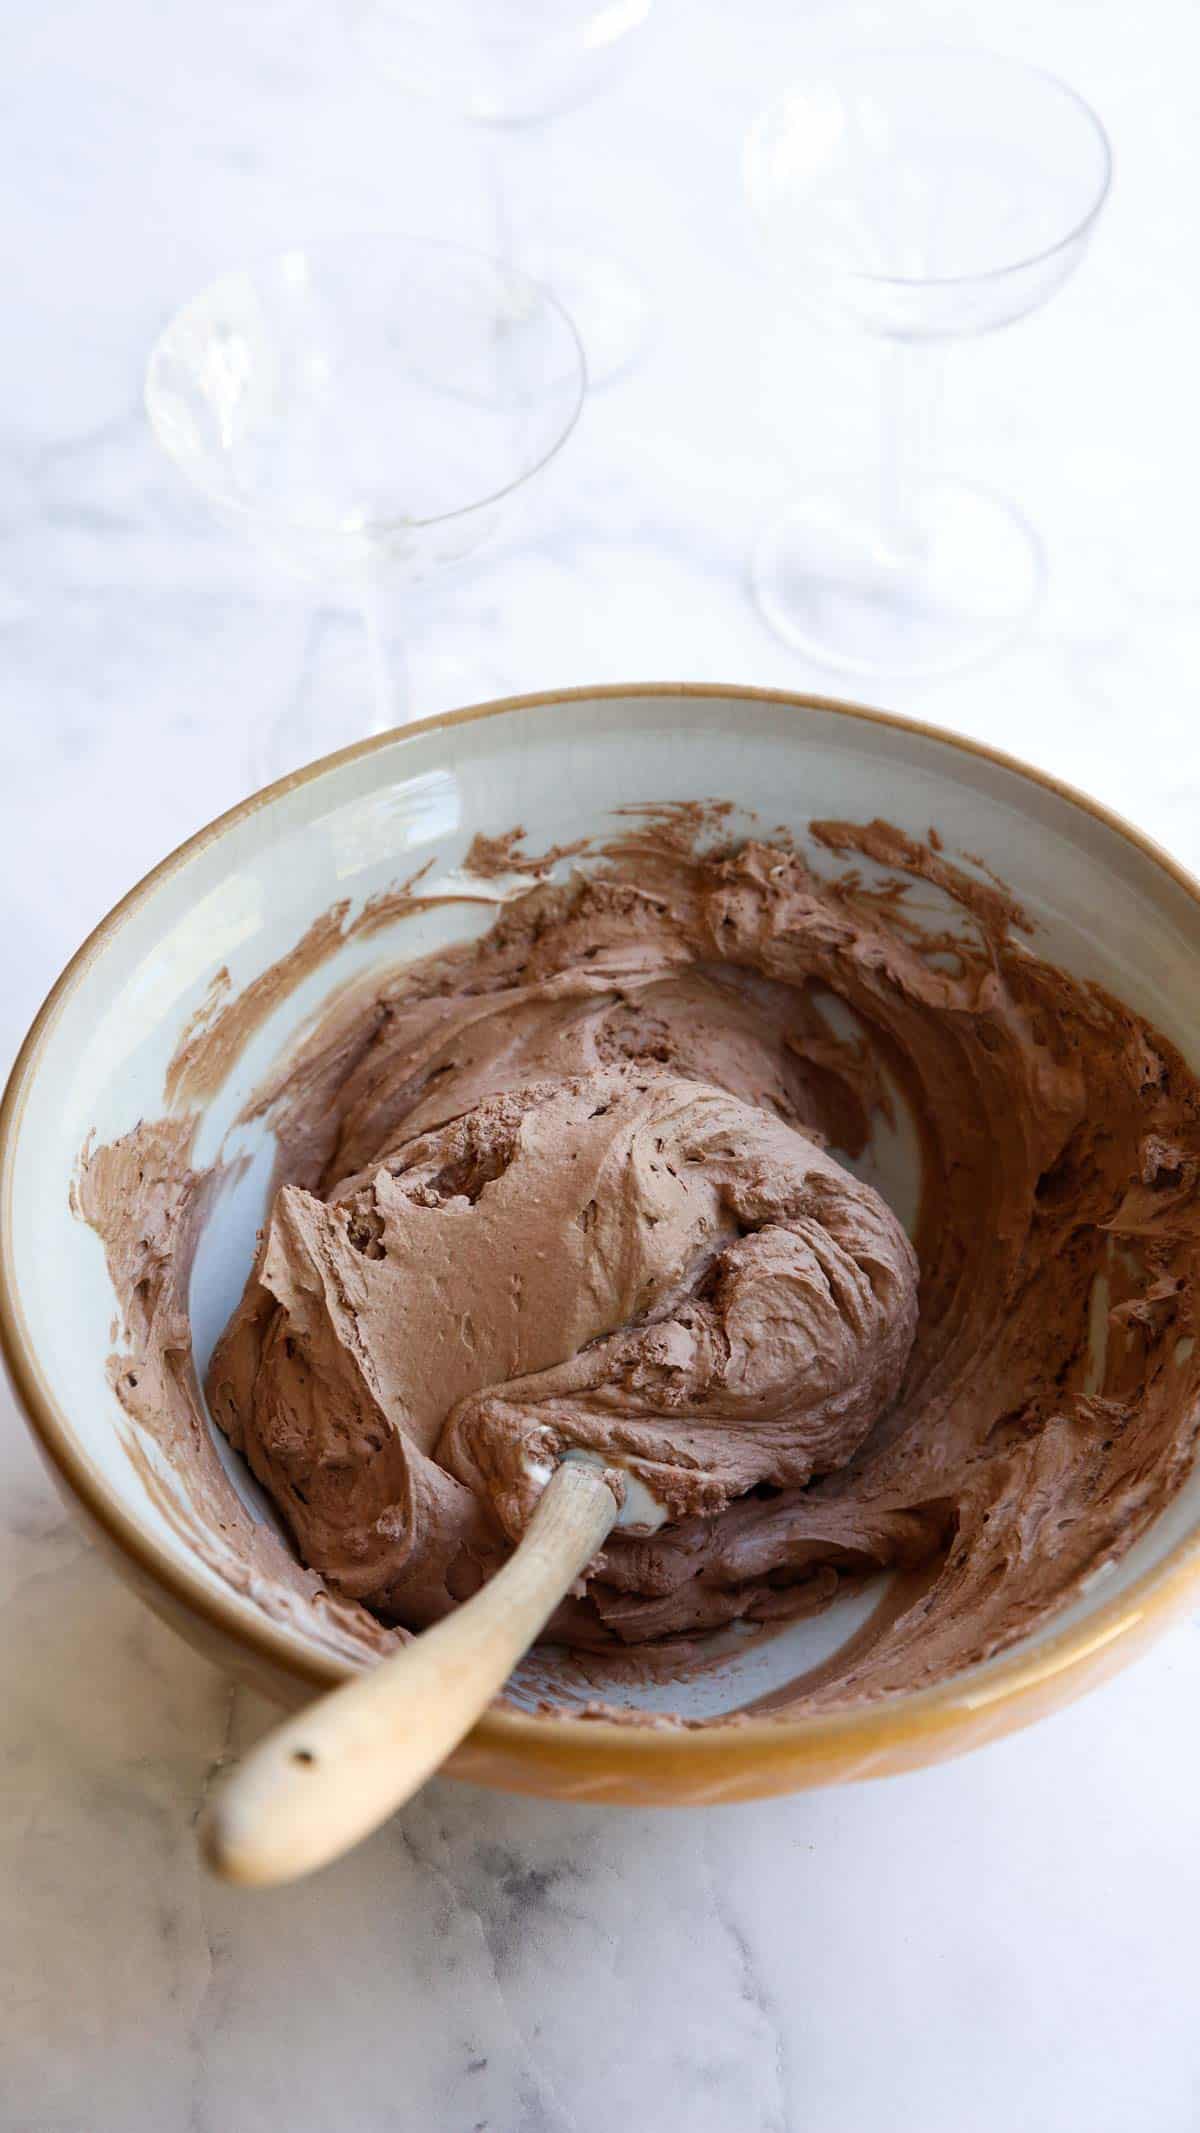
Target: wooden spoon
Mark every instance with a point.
(316, 1785)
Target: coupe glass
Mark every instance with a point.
(513, 66)
(367, 409)
(917, 197)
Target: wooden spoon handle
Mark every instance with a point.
(316, 1785)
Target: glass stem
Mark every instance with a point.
(910, 404)
(499, 189)
(517, 164)
(385, 616)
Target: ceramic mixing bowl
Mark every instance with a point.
(1108, 906)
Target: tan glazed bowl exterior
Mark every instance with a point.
(1107, 903)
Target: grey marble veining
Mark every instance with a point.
(1005, 1942)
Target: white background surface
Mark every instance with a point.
(1006, 1943)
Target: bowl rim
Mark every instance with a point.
(822, 1743)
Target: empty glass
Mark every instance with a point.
(916, 197)
(367, 409)
(513, 68)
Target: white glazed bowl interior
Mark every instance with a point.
(240, 895)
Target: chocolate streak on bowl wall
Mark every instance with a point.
(141, 1194)
(1060, 1138)
(148, 1204)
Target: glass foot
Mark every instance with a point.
(605, 302)
(969, 572)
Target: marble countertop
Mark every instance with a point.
(1002, 1943)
